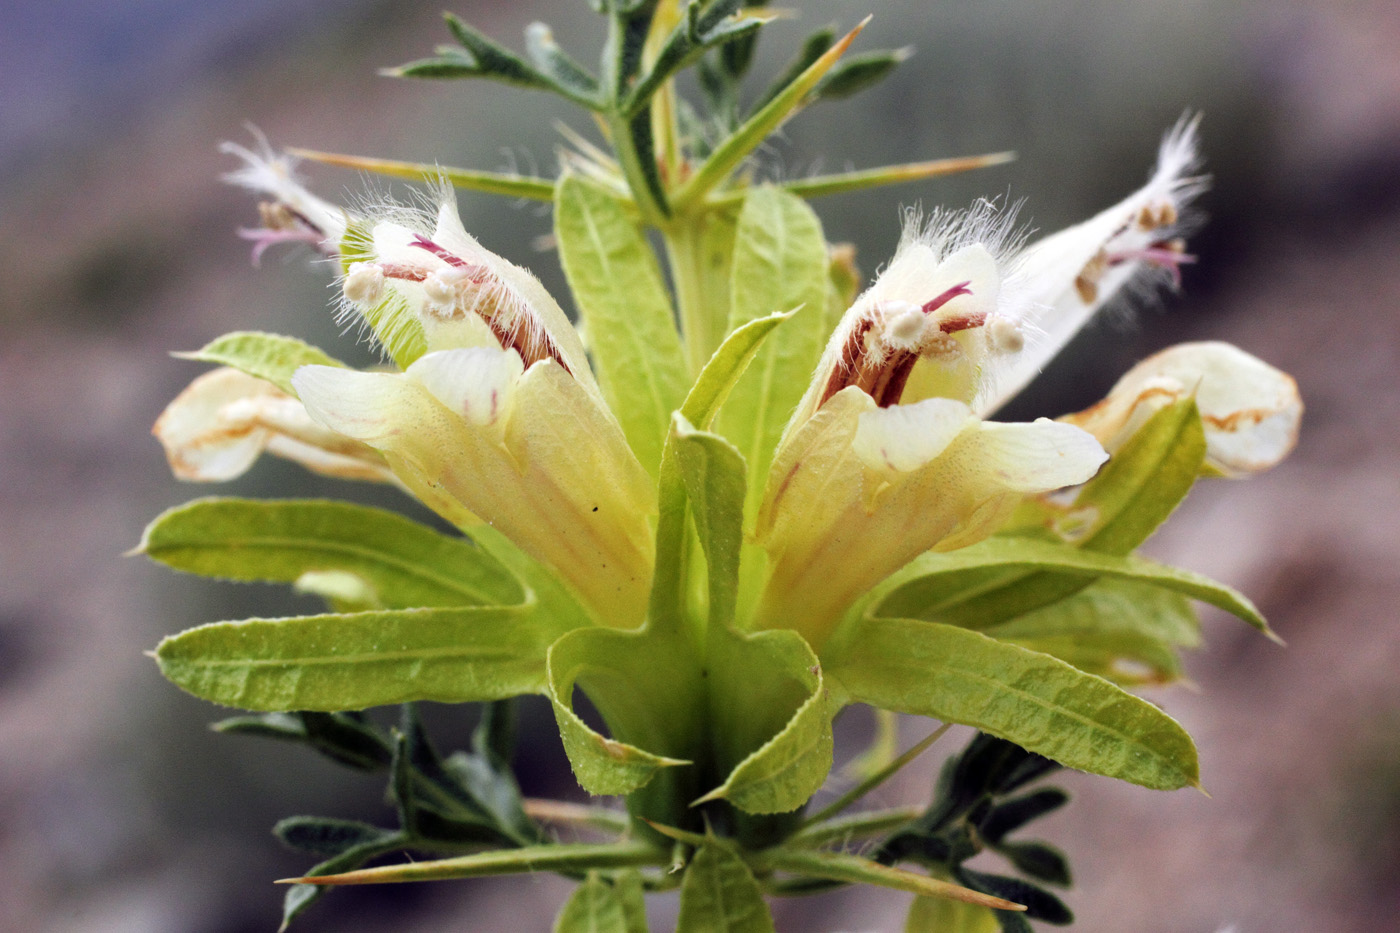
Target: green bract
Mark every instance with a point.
(723, 509)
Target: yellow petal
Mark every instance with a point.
(859, 491)
(531, 453)
(1250, 410)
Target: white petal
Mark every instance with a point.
(475, 383)
(1251, 411)
(905, 437)
(365, 406)
(1040, 456)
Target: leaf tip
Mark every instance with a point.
(719, 793)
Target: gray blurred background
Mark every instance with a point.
(119, 811)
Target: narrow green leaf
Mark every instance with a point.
(768, 685)
(1038, 860)
(494, 60)
(556, 64)
(636, 681)
(934, 586)
(1040, 904)
(407, 565)
(263, 356)
(879, 776)
(512, 186)
(779, 264)
(1034, 700)
(859, 73)
(724, 369)
(812, 49)
(713, 473)
(322, 835)
(1011, 815)
(338, 662)
(594, 907)
(345, 738)
(558, 857)
(719, 895)
(625, 311)
(301, 896)
(734, 149)
(853, 869)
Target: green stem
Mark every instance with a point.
(701, 329)
(856, 826)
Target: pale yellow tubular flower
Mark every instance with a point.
(215, 429)
(1072, 274)
(526, 450)
(864, 479)
(502, 417)
(1250, 410)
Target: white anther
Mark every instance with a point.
(443, 288)
(905, 325)
(1004, 334)
(364, 284)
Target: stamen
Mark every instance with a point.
(263, 237)
(1164, 254)
(879, 361)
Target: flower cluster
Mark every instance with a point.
(726, 521)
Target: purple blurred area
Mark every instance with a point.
(119, 811)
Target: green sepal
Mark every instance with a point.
(629, 677)
(406, 565)
(263, 356)
(594, 907)
(1034, 700)
(625, 313)
(967, 587)
(719, 895)
(768, 685)
(353, 661)
(779, 264)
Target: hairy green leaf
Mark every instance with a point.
(636, 680)
(719, 895)
(713, 473)
(1036, 701)
(852, 869)
(339, 662)
(768, 688)
(625, 311)
(406, 564)
(594, 907)
(966, 587)
(938, 915)
(779, 264)
(263, 356)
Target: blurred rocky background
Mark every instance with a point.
(119, 811)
